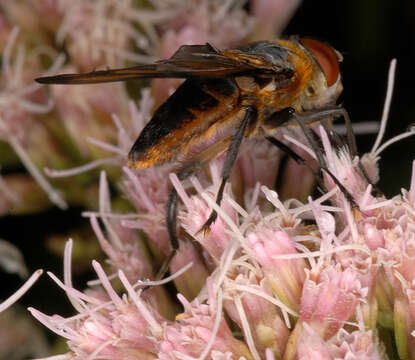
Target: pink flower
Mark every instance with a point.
(330, 300)
(249, 306)
(88, 110)
(312, 346)
(286, 277)
(192, 281)
(122, 245)
(100, 33)
(148, 190)
(356, 345)
(194, 330)
(126, 251)
(125, 135)
(20, 101)
(346, 171)
(108, 326)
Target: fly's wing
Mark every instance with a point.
(206, 105)
(189, 61)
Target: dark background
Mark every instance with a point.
(369, 33)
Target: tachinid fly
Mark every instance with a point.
(250, 91)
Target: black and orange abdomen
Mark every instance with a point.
(183, 119)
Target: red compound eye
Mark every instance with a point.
(325, 56)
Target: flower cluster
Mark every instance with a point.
(273, 279)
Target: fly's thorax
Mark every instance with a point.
(316, 82)
(273, 95)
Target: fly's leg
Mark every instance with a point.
(280, 118)
(171, 214)
(185, 170)
(336, 111)
(171, 217)
(251, 114)
(297, 158)
(309, 118)
(171, 221)
(290, 152)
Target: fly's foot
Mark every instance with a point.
(205, 229)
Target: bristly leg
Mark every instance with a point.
(315, 116)
(297, 158)
(251, 114)
(286, 115)
(171, 221)
(281, 118)
(290, 152)
(171, 218)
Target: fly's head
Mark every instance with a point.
(324, 85)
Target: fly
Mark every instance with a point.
(251, 91)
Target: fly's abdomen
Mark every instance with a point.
(184, 119)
